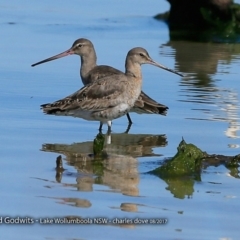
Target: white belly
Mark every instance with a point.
(103, 116)
(111, 113)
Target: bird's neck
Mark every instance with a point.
(134, 75)
(133, 70)
(87, 64)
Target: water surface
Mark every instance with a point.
(203, 108)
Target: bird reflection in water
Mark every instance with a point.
(115, 165)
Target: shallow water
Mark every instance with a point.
(203, 109)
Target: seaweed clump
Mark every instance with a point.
(187, 161)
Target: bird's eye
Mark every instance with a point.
(141, 54)
(79, 45)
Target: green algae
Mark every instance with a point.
(186, 162)
(180, 186)
(98, 145)
(209, 26)
(233, 165)
(181, 171)
(234, 162)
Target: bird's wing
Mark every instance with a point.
(99, 95)
(148, 105)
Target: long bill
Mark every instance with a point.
(150, 61)
(60, 55)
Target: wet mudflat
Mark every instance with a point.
(203, 108)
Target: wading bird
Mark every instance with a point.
(90, 72)
(109, 97)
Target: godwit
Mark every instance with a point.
(90, 72)
(109, 97)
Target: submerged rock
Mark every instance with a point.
(186, 162)
(190, 160)
(203, 20)
(234, 162)
(180, 186)
(181, 171)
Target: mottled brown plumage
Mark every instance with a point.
(90, 72)
(109, 97)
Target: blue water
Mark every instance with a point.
(203, 109)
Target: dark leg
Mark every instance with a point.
(128, 128)
(100, 127)
(129, 119)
